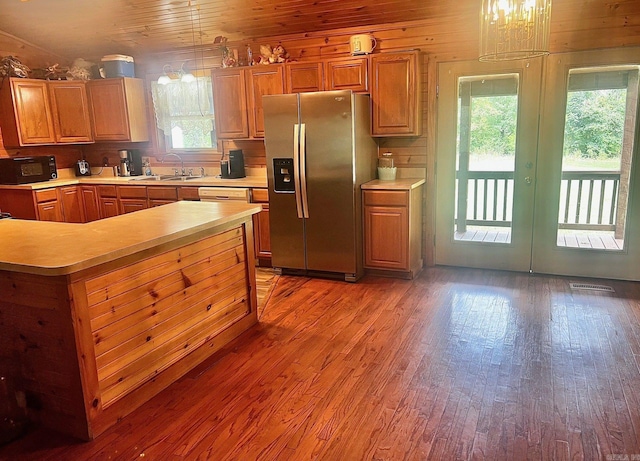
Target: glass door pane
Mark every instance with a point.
(486, 154)
(585, 223)
(486, 158)
(597, 157)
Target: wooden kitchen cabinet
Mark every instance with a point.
(132, 198)
(395, 94)
(230, 103)
(393, 227)
(25, 113)
(90, 202)
(261, 228)
(71, 201)
(48, 206)
(118, 110)
(347, 74)
(108, 200)
(70, 110)
(188, 193)
(303, 77)
(261, 80)
(161, 195)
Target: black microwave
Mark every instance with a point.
(23, 170)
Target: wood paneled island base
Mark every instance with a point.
(91, 329)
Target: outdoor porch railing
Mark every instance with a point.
(588, 199)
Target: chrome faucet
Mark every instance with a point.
(182, 170)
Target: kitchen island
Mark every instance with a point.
(97, 318)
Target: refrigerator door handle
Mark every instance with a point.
(296, 169)
(303, 170)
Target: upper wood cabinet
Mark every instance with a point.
(237, 97)
(25, 113)
(118, 110)
(395, 94)
(347, 74)
(70, 111)
(261, 80)
(303, 77)
(230, 103)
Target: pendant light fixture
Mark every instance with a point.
(514, 29)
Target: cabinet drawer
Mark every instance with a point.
(107, 191)
(46, 195)
(259, 195)
(133, 191)
(163, 193)
(188, 193)
(388, 198)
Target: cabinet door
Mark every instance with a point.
(395, 95)
(262, 238)
(262, 80)
(158, 202)
(71, 204)
(107, 104)
(109, 207)
(230, 103)
(303, 77)
(32, 111)
(386, 237)
(347, 74)
(131, 205)
(90, 202)
(70, 110)
(50, 211)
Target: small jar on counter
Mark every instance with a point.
(386, 170)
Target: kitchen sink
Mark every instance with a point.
(179, 178)
(165, 177)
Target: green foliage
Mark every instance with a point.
(493, 125)
(594, 123)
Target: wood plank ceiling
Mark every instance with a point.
(91, 29)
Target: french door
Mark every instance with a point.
(555, 197)
(587, 212)
(486, 152)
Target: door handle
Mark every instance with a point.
(296, 168)
(303, 170)
(528, 180)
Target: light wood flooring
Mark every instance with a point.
(456, 364)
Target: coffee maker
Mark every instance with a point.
(130, 163)
(234, 167)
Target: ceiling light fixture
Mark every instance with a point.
(514, 29)
(169, 75)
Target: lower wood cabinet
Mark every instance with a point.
(261, 228)
(108, 200)
(393, 227)
(62, 204)
(90, 202)
(72, 206)
(50, 211)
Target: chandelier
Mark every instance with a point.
(514, 29)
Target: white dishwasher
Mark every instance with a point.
(224, 194)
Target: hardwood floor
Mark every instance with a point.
(456, 364)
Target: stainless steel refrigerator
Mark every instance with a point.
(319, 152)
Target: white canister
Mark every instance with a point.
(362, 44)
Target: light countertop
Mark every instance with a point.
(249, 181)
(396, 184)
(53, 248)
